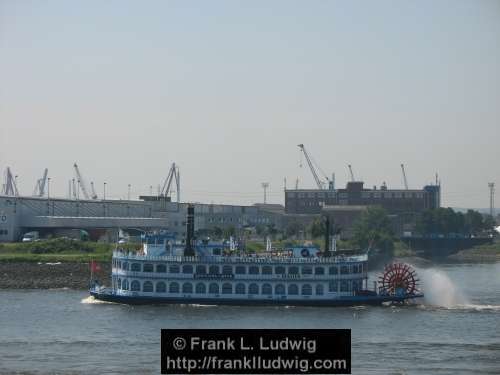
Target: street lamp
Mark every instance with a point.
(128, 196)
(104, 193)
(48, 188)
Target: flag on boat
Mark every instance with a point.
(94, 266)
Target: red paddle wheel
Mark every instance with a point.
(398, 278)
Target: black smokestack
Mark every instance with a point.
(189, 250)
(327, 236)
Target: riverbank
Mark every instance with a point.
(49, 275)
(480, 254)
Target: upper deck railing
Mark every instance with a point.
(239, 259)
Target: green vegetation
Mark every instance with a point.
(482, 253)
(57, 250)
(445, 221)
(373, 229)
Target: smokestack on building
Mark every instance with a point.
(189, 250)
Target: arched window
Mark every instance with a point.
(135, 267)
(307, 270)
(213, 270)
(279, 289)
(201, 269)
(213, 288)
(187, 268)
(147, 267)
(319, 289)
(267, 289)
(173, 287)
(135, 286)
(227, 288)
(333, 286)
(279, 270)
(253, 289)
(187, 288)
(174, 268)
(294, 270)
(147, 286)
(319, 271)
(293, 289)
(227, 270)
(333, 270)
(240, 288)
(344, 286)
(240, 270)
(267, 270)
(253, 270)
(161, 268)
(344, 270)
(201, 288)
(306, 290)
(125, 284)
(161, 287)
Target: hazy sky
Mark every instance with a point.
(227, 89)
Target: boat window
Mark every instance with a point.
(119, 283)
(201, 288)
(293, 289)
(356, 285)
(161, 268)
(213, 270)
(174, 268)
(125, 284)
(253, 289)
(267, 289)
(354, 268)
(267, 270)
(227, 288)
(173, 287)
(216, 251)
(161, 287)
(319, 271)
(227, 270)
(135, 286)
(240, 270)
(344, 286)
(279, 270)
(187, 288)
(136, 267)
(293, 270)
(240, 288)
(213, 288)
(187, 268)
(125, 266)
(344, 270)
(147, 286)
(201, 270)
(319, 289)
(307, 270)
(333, 270)
(118, 264)
(253, 270)
(279, 289)
(306, 290)
(147, 267)
(333, 286)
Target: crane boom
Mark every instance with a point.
(404, 176)
(311, 167)
(40, 185)
(82, 184)
(351, 173)
(173, 173)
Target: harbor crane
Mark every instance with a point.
(320, 183)
(10, 186)
(83, 185)
(40, 185)
(404, 176)
(351, 173)
(166, 190)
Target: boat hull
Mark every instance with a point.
(343, 301)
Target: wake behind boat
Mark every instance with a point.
(213, 273)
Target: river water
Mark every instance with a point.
(456, 329)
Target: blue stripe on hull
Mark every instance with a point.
(343, 301)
